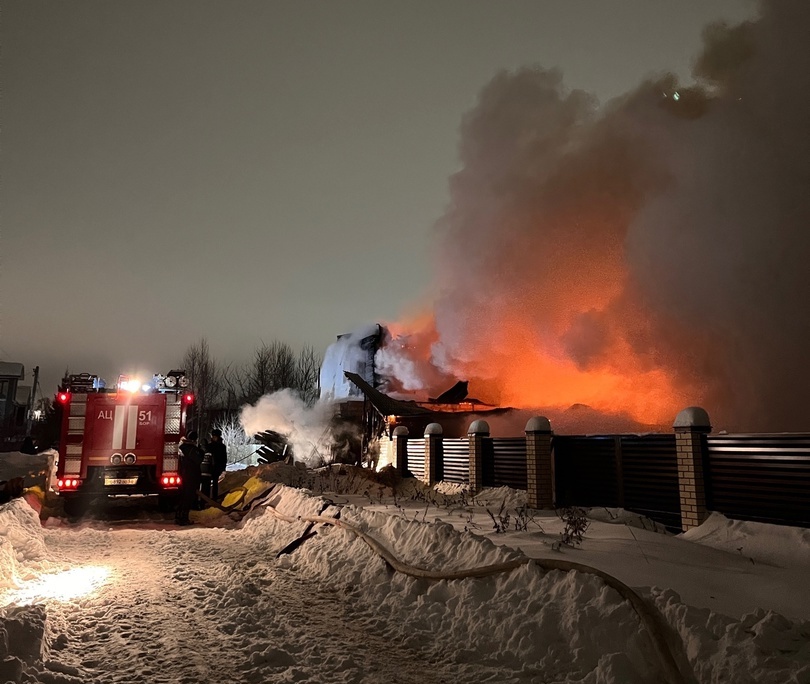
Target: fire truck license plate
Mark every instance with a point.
(120, 480)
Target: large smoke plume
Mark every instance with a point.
(640, 256)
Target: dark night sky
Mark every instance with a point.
(251, 171)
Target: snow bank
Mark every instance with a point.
(22, 632)
(23, 629)
(563, 627)
(762, 542)
(763, 647)
(22, 546)
(501, 496)
(620, 516)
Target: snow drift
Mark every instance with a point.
(522, 626)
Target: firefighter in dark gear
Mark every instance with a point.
(219, 460)
(205, 476)
(191, 457)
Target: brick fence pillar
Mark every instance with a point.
(401, 450)
(539, 465)
(690, 426)
(478, 430)
(433, 453)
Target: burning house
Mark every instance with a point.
(453, 409)
(352, 378)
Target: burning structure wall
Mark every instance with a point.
(353, 352)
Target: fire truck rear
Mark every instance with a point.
(120, 441)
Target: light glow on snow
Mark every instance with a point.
(61, 586)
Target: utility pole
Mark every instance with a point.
(32, 402)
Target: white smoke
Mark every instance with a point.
(305, 427)
(407, 367)
(390, 362)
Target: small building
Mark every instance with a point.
(14, 400)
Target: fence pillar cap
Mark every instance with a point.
(433, 429)
(478, 427)
(400, 431)
(538, 424)
(693, 417)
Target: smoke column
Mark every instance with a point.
(640, 256)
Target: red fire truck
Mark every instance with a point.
(121, 440)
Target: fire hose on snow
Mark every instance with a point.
(672, 673)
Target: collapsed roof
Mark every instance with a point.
(385, 404)
(453, 401)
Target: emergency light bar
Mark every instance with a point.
(85, 383)
(127, 385)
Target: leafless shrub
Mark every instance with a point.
(470, 524)
(500, 521)
(576, 523)
(524, 516)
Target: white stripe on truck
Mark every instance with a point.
(118, 427)
(132, 426)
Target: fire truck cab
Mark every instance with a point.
(120, 441)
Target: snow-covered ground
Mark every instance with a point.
(117, 601)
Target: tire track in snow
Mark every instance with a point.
(196, 605)
(140, 625)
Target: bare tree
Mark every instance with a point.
(235, 381)
(284, 365)
(258, 375)
(307, 371)
(274, 366)
(205, 379)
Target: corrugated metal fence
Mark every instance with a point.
(585, 471)
(759, 477)
(416, 457)
(636, 472)
(456, 460)
(749, 477)
(508, 462)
